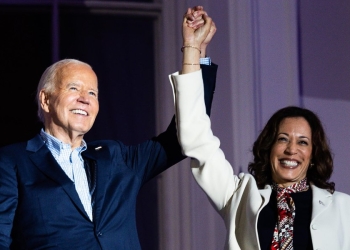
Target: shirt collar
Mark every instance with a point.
(55, 145)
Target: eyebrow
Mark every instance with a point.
(72, 84)
(79, 84)
(300, 137)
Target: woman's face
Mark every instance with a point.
(291, 152)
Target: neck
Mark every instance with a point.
(69, 137)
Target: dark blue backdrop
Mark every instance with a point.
(120, 50)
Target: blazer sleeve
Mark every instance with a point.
(209, 166)
(168, 139)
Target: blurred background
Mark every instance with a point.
(270, 53)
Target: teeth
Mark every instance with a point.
(289, 163)
(79, 111)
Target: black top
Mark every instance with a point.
(268, 218)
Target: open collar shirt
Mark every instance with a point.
(72, 164)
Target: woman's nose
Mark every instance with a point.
(291, 148)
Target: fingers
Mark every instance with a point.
(191, 11)
(212, 30)
(194, 17)
(195, 20)
(207, 20)
(195, 8)
(209, 37)
(197, 27)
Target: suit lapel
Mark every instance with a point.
(101, 156)
(42, 158)
(320, 201)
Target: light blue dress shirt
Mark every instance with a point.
(72, 164)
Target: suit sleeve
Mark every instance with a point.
(8, 199)
(168, 139)
(209, 83)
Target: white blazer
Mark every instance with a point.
(237, 198)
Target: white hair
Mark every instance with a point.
(48, 80)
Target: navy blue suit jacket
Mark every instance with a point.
(40, 208)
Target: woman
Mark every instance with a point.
(287, 201)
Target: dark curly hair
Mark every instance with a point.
(321, 168)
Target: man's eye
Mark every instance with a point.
(73, 88)
(92, 93)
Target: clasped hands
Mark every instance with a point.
(198, 29)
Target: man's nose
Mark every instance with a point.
(84, 97)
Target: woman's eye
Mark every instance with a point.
(281, 139)
(304, 143)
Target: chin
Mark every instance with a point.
(292, 179)
(285, 178)
(83, 128)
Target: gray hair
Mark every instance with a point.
(49, 79)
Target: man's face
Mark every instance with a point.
(72, 108)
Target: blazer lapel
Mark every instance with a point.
(265, 193)
(42, 158)
(321, 199)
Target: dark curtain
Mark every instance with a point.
(25, 48)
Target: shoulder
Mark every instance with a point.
(342, 197)
(336, 194)
(13, 148)
(340, 205)
(337, 198)
(11, 155)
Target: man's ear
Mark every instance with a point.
(44, 100)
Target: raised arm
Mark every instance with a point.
(168, 139)
(209, 166)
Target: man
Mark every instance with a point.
(59, 192)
